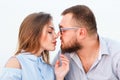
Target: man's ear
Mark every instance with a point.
(82, 33)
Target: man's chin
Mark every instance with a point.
(64, 50)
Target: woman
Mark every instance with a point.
(31, 61)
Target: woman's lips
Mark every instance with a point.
(55, 43)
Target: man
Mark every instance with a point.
(92, 57)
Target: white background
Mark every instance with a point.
(12, 13)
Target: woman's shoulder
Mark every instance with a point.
(13, 63)
(12, 70)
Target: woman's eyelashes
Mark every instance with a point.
(50, 32)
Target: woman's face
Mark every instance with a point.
(48, 37)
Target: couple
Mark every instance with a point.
(86, 55)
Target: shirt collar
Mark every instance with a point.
(103, 50)
(32, 57)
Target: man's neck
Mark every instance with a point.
(89, 53)
(90, 47)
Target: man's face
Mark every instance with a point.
(68, 31)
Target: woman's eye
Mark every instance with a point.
(50, 32)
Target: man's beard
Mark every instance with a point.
(72, 46)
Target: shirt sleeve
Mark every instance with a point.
(10, 74)
(118, 70)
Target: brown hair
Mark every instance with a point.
(30, 31)
(83, 16)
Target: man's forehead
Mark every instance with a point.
(66, 20)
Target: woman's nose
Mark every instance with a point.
(58, 34)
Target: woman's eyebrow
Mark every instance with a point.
(51, 27)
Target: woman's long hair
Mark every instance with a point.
(30, 32)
